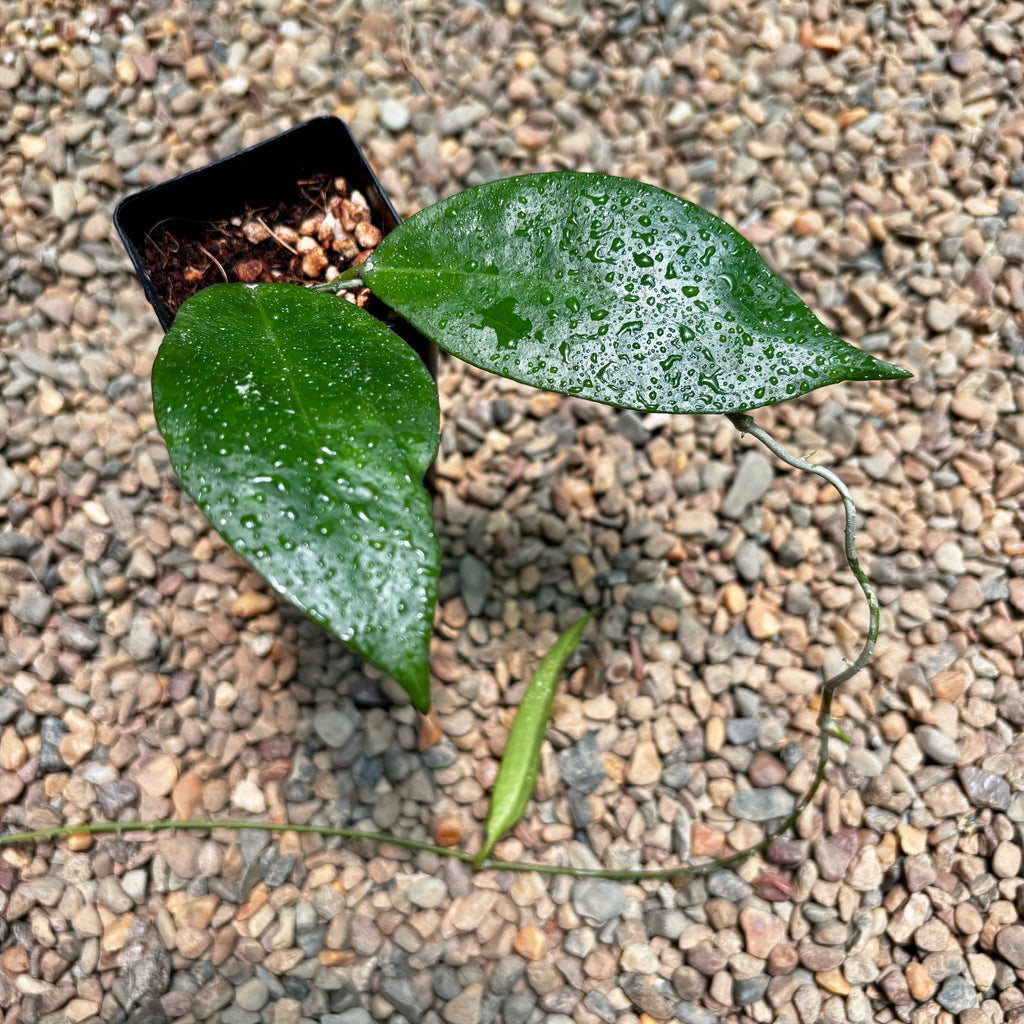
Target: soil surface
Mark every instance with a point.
(183, 257)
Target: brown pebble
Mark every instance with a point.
(766, 770)
(255, 231)
(13, 752)
(919, 981)
(644, 768)
(186, 795)
(336, 957)
(833, 981)
(762, 931)
(820, 958)
(966, 595)
(115, 934)
(1006, 860)
(367, 235)
(252, 603)
(286, 235)
(448, 832)
(734, 598)
(530, 942)
(810, 222)
(706, 841)
(159, 776)
(1010, 945)
(79, 841)
(314, 262)
(15, 960)
(782, 960)
(248, 271)
(762, 621)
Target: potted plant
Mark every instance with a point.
(303, 425)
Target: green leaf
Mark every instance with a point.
(517, 774)
(610, 290)
(302, 427)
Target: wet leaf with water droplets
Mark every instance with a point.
(302, 427)
(611, 290)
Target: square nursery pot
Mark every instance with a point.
(167, 227)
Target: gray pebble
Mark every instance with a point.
(151, 1012)
(334, 727)
(397, 988)
(652, 995)
(957, 995)
(46, 890)
(310, 942)
(701, 170)
(445, 981)
(579, 765)
(598, 899)
(305, 916)
(937, 745)
(761, 804)
(441, 755)
(600, 1005)
(112, 895)
(749, 560)
(236, 1015)
(517, 1007)
(507, 971)
(142, 641)
(473, 577)
(985, 789)
(668, 922)
(461, 117)
(9, 707)
(327, 902)
(33, 608)
(740, 731)
(97, 98)
(355, 1015)
(750, 484)
(727, 885)
(749, 990)
(78, 636)
(394, 115)
(791, 755)
(252, 994)
(13, 544)
(144, 965)
(427, 892)
(50, 732)
(676, 774)
(630, 426)
(9, 480)
(691, 1013)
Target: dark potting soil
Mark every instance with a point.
(309, 236)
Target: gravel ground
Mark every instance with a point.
(874, 152)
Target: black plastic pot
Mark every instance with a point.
(252, 179)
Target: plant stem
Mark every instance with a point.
(339, 284)
(826, 725)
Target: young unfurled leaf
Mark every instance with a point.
(518, 772)
(302, 427)
(610, 290)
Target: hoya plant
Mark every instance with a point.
(303, 426)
